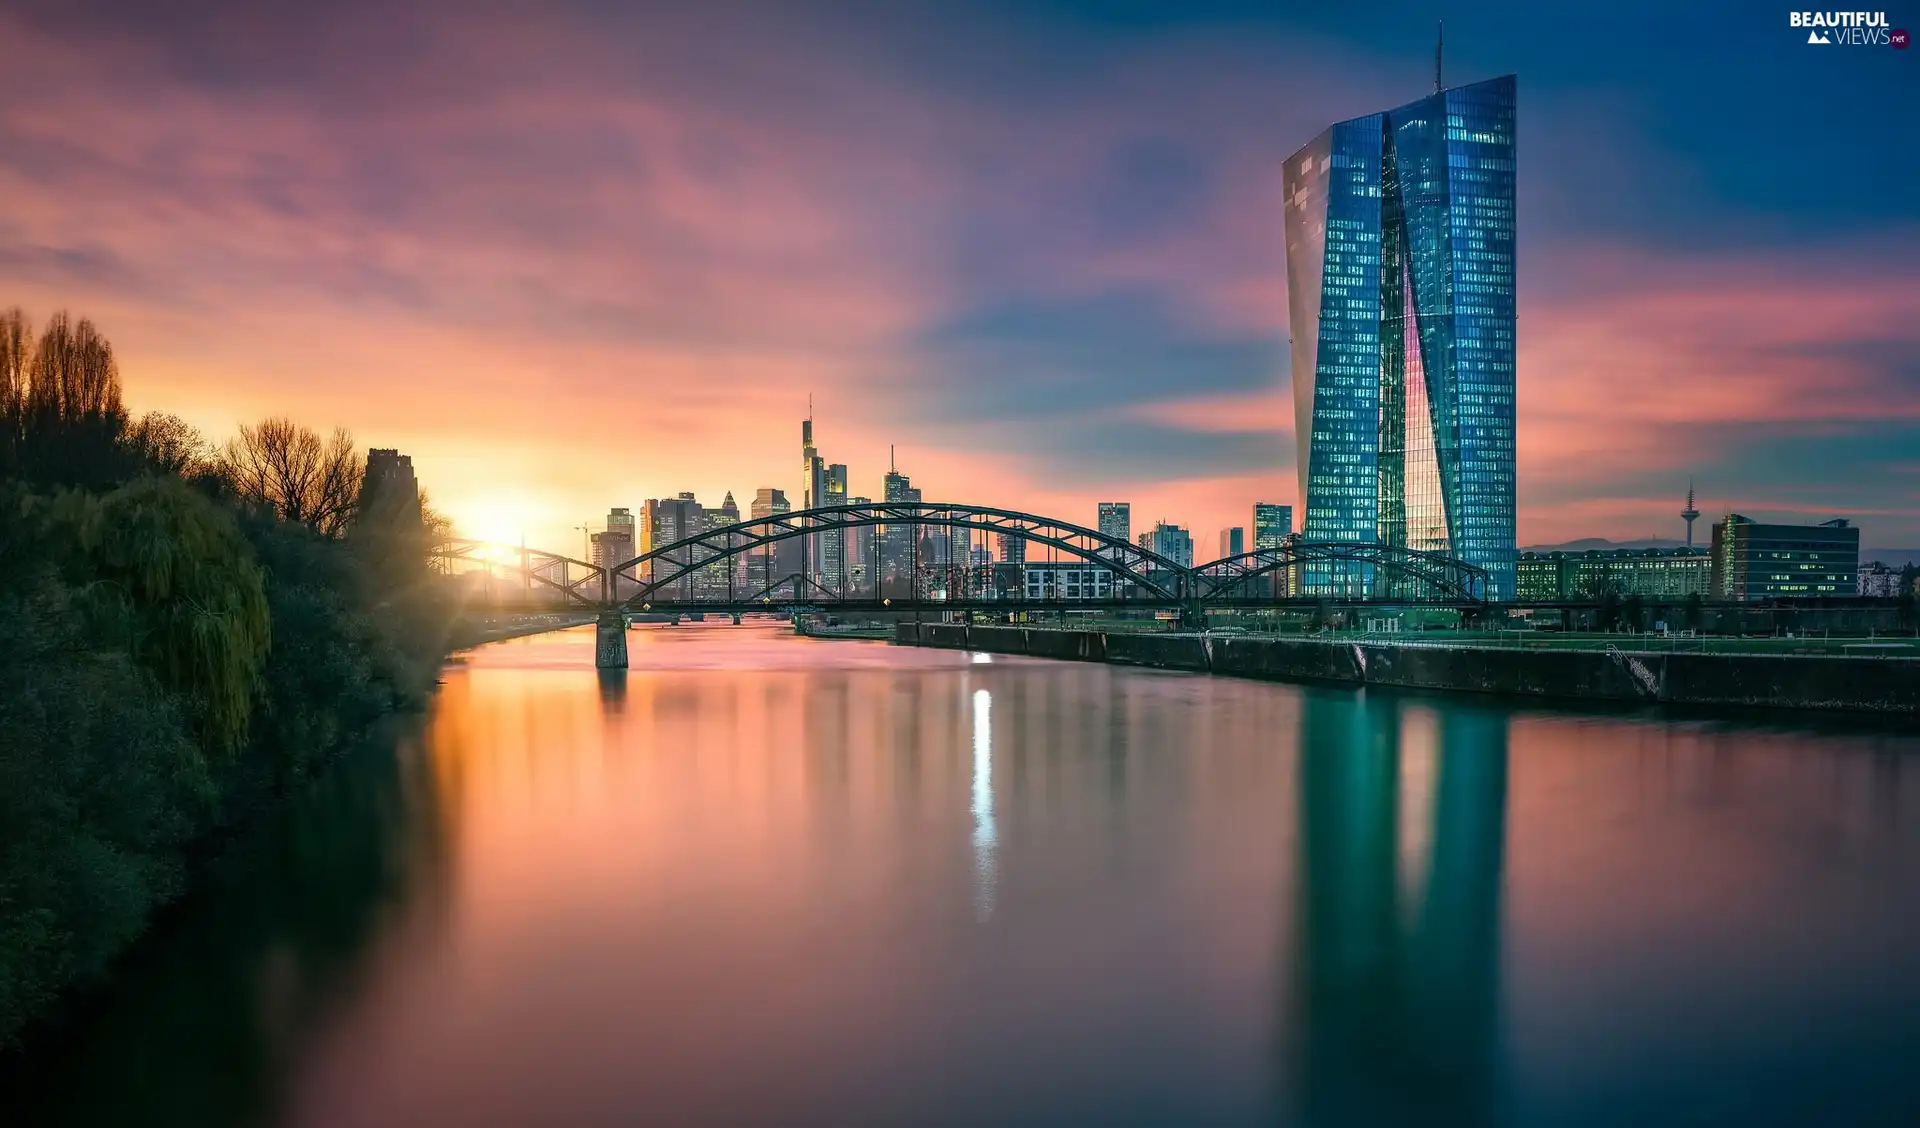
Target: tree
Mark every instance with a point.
(65, 418)
(168, 577)
(1696, 611)
(1635, 612)
(281, 466)
(74, 375)
(167, 444)
(16, 344)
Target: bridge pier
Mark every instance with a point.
(610, 641)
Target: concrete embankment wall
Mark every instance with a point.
(1883, 685)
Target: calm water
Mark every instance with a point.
(767, 881)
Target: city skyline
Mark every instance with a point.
(553, 256)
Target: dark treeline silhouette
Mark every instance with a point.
(188, 633)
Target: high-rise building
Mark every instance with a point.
(670, 520)
(610, 548)
(768, 502)
(1400, 280)
(1233, 542)
(1013, 550)
(1170, 541)
(623, 539)
(813, 489)
(723, 576)
(1756, 561)
(863, 548)
(833, 542)
(768, 565)
(1272, 523)
(897, 541)
(1116, 519)
(620, 520)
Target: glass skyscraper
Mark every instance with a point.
(1401, 304)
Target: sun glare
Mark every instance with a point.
(500, 520)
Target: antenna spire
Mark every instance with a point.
(1439, 45)
(890, 466)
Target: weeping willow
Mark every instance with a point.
(167, 574)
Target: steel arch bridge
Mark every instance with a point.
(703, 572)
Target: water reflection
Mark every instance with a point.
(209, 1023)
(767, 880)
(1395, 1010)
(613, 690)
(983, 860)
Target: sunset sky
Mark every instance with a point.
(574, 255)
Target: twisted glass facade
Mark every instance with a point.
(1401, 303)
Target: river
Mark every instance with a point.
(764, 880)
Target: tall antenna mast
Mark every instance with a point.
(1439, 45)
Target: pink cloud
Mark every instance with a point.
(579, 269)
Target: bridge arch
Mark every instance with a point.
(1155, 577)
(537, 568)
(1140, 576)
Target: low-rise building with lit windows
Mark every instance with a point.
(1651, 573)
(1753, 561)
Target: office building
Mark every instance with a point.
(1757, 561)
(863, 551)
(1400, 280)
(613, 547)
(1650, 573)
(1272, 524)
(833, 542)
(620, 520)
(1170, 541)
(1881, 582)
(1013, 550)
(1233, 542)
(723, 577)
(768, 502)
(767, 565)
(813, 490)
(1069, 579)
(1116, 519)
(897, 541)
(666, 521)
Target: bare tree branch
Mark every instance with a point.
(281, 465)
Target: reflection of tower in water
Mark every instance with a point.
(1395, 1014)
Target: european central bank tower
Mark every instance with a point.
(1401, 305)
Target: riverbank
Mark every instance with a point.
(466, 635)
(1846, 683)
